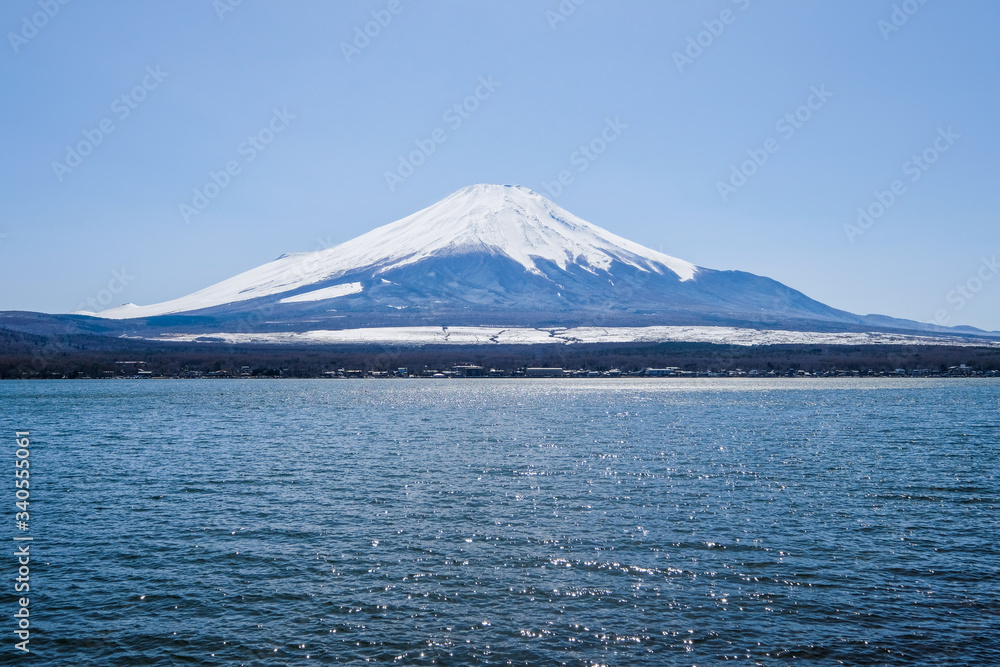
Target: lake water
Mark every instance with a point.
(526, 522)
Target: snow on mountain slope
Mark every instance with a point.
(528, 336)
(507, 220)
(326, 293)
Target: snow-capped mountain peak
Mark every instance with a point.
(507, 220)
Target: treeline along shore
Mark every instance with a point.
(30, 356)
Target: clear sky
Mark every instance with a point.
(734, 134)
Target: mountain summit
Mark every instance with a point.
(508, 221)
(495, 255)
(511, 221)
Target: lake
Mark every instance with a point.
(525, 522)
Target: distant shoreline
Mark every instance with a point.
(994, 375)
(27, 356)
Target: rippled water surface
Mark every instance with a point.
(529, 522)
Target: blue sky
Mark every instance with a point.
(734, 134)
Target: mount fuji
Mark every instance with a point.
(492, 256)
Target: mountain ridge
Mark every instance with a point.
(495, 255)
(508, 220)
